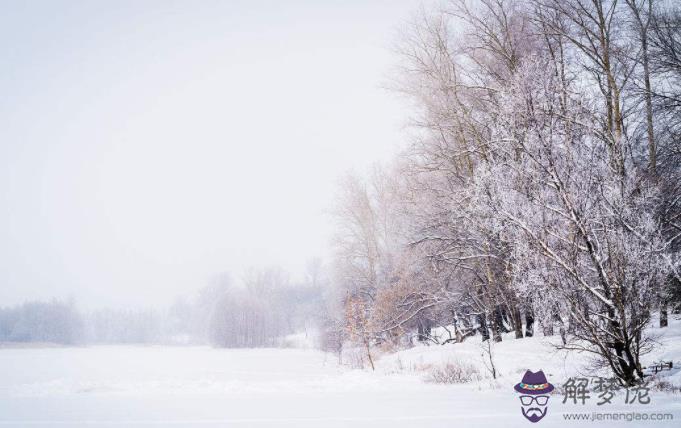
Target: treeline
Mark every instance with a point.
(542, 187)
(260, 312)
(267, 309)
(62, 323)
(55, 321)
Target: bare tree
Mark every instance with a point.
(529, 188)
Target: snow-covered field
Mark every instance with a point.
(196, 386)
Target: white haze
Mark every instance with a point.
(147, 146)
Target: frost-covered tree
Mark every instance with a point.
(586, 238)
(542, 183)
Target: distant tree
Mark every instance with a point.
(54, 321)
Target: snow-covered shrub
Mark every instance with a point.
(665, 386)
(452, 372)
(355, 357)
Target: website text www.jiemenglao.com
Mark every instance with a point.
(618, 416)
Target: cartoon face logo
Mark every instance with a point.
(534, 392)
(534, 408)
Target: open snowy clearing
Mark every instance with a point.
(194, 386)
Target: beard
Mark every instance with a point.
(534, 414)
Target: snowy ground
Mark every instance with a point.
(196, 386)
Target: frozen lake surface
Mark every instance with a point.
(199, 386)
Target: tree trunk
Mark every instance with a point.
(562, 328)
(563, 332)
(506, 319)
(664, 313)
(643, 34)
(626, 368)
(457, 329)
(517, 322)
(424, 328)
(547, 326)
(625, 358)
(497, 324)
(529, 323)
(482, 326)
(371, 360)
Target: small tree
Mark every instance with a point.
(358, 325)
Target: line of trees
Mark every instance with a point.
(55, 321)
(262, 311)
(543, 185)
(61, 322)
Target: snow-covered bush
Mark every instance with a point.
(452, 372)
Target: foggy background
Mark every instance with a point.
(148, 147)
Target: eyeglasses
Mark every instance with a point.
(539, 399)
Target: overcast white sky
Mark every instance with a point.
(147, 146)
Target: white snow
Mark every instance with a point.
(196, 386)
